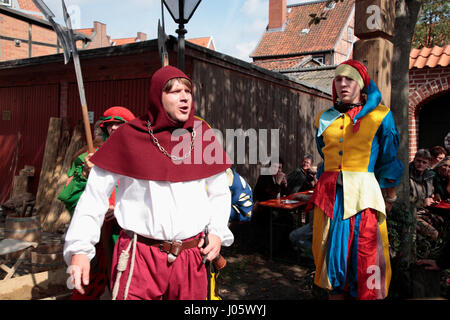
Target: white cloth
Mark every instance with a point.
(155, 209)
(14, 245)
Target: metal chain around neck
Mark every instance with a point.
(161, 148)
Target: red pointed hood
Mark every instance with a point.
(131, 151)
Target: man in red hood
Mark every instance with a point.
(164, 200)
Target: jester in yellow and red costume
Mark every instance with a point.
(358, 144)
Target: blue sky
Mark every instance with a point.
(235, 25)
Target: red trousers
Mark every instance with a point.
(155, 279)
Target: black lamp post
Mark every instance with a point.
(181, 11)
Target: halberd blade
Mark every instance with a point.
(60, 32)
(43, 8)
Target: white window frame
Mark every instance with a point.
(350, 34)
(6, 2)
(330, 6)
(320, 59)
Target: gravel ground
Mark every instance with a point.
(251, 275)
(248, 275)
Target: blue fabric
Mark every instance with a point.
(353, 267)
(320, 169)
(239, 212)
(320, 144)
(387, 167)
(326, 119)
(373, 100)
(338, 244)
(337, 264)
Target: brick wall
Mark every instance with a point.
(10, 27)
(27, 5)
(15, 28)
(345, 44)
(423, 85)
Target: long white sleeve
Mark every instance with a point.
(87, 220)
(219, 194)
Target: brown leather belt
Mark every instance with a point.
(172, 248)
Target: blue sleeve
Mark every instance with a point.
(241, 199)
(388, 168)
(320, 145)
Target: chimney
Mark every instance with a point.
(141, 36)
(277, 14)
(100, 37)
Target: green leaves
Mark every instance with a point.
(432, 28)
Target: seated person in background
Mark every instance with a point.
(267, 187)
(441, 263)
(447, 142)
(421, 179)
(421, 192)
(438, 153)
(271, 186)
(302, 178)
(441, 181)
(302, 237)
(241, 197)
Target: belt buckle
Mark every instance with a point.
(174, 250)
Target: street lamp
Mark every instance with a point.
(181, 11)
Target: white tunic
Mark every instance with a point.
(153, 209)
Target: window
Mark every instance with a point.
(350, 34)
(320, 59)
(330, 6)
(305, 31)
(6, 2)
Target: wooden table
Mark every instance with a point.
(285, 204)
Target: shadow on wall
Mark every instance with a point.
(227, 99)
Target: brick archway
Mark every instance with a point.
(423, 88)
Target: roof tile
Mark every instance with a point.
(414, 53)
(429, 57)
(204, 41)
(447, 49)
(290, 40)
(437, 51)
(280, 64)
